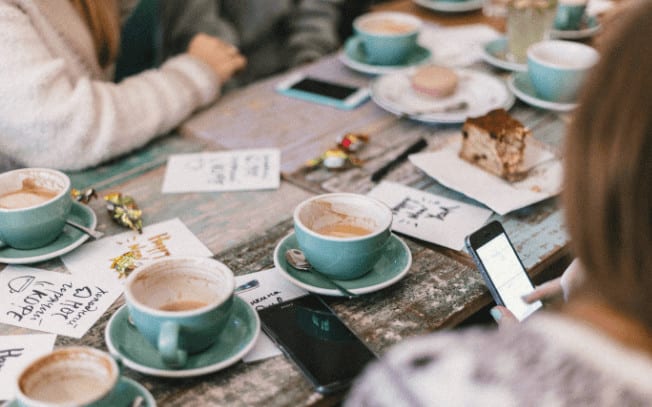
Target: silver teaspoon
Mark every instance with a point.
(90, 232)
(297, 260)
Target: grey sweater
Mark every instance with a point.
(273, 34)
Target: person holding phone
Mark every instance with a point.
(597, 349)
(59, 106)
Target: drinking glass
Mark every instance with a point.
(528, 22)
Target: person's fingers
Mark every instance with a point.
(546, 291)
(503, 316)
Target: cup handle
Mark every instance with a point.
(2, 244)
(168, 345)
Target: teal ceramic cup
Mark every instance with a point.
(342, 235)
(570, 14)
(34, 206)
(557, 68)
(180, 305)
(69, 376)
(387, 38)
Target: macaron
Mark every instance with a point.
(434, 81)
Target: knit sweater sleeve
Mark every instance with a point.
(54, 117)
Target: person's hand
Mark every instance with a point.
(555, 289)
(223, 58)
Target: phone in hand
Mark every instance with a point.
(321, 91)
(308, 331)
(502, 269)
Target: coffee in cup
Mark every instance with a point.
(180, 305)
(342, 235)
(34, 206)
(557, 68)
(70, 376)
(387, 38)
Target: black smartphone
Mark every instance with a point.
(322, 91)
(308, 331)
(502, 269)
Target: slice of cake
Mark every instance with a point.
(495, 142)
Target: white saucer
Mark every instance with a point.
(494, 53)
(134, 351)
(450, 6)
(69, 239)
(390, 268)
(520, 84)
(480, 91)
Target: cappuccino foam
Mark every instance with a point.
(343, 230)
(29, 195)
(387, 26)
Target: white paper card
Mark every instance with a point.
(235, 170)
(269, 288)
(54, 302)
(457, 46)
(16, 351)
(168, 238)
(544, 179)
(430, 217)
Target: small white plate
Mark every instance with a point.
(451, 6)
(592, 27)
(495, 53)
(481, 92)
(520, 84)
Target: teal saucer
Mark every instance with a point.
(519, 83)
(391, 267)
(589, 29)
(495, 53)
(126, 392)
(354, 57)
(135, 352)
(69, 239)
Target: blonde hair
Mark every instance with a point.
(103, 20)
(608, 169)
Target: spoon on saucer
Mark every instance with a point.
(90, 232)
(298, 261)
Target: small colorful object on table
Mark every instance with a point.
(343, 155)
(83, 196)
(124, 211)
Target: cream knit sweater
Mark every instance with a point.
(59, 109)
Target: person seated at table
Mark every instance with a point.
(273, 35)
(59, 107)
(597, 350)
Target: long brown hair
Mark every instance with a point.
(103, 20)
(608, 168)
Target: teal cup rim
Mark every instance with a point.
(562, 47)
(113, 370)
(381, 227)
(418, 24)
(65, 190)
(211, 264)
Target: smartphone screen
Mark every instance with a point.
(320, 87)
(504, 270)
(325, 349)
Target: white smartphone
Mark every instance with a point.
(321, 91)
(502, 269)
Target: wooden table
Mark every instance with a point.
(442, 288)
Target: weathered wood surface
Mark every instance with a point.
(242, 228)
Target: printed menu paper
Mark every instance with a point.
(235, 170)
(266, 288)
(430, 217)
(105, 258)
(544, 178)
(54, 302)
(16, 351)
